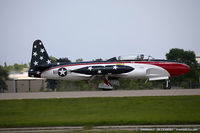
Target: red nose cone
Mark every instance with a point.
(185, 68)
(179, 69)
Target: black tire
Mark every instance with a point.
(104, 89)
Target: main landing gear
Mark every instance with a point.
(167, 84)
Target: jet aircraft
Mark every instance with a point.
(111, 70)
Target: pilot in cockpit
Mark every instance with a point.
(142, 57)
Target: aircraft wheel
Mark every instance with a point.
(105, 89)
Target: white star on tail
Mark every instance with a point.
(41, 58)
(35, 63)
(42, 50)
(38, 72)
(35, 54)
(48, 61)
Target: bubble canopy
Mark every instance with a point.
(132, 57)
(135, 57)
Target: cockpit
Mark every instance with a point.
(139, 57)
(135, 57)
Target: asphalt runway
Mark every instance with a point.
(114, 93)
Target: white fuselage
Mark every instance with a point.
(141, 71)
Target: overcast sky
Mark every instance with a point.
(91, 29)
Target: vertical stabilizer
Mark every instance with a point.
(39, 59)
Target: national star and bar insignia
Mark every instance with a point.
(62, 72)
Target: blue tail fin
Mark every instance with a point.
(39, 59)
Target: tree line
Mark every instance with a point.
(190, 79)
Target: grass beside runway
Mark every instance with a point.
(100, 111)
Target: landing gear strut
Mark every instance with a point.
(167, 84)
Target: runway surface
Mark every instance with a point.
(114, 93)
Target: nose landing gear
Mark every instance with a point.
(167, 84)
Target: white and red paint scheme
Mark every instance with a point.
(150, 69)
